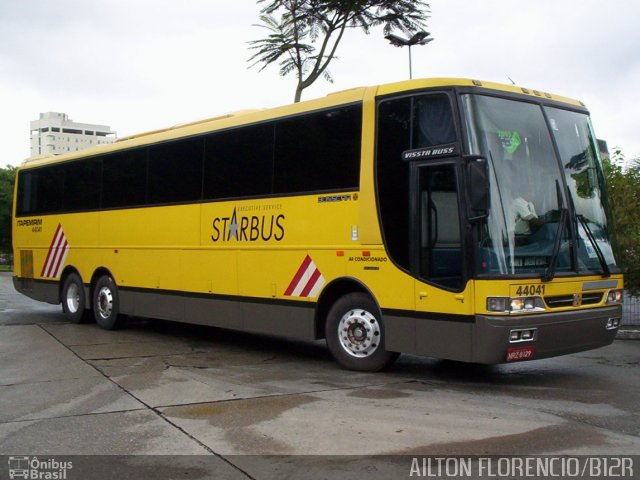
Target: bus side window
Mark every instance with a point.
(406, 123)
(124, 178)
(440, 251)
(433, 121)
(394, 137)
(239, 162)
(40, 191)
(175, 171)
(318, 152)
(82, 185)
(27, 190)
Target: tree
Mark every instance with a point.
(624, 201)
(305, 34)
(7, 177)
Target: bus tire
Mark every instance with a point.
(106, 304)
(355, 334)
(73, 299)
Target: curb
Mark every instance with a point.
(628, 333)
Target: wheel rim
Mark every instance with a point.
(105, 302)
(359, 333)
(73, 298)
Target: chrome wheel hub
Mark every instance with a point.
(105, 302)
(359, 333)
(73, 298)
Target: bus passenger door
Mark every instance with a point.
(443, 328)
(437, 252)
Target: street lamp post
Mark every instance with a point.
(420, 38)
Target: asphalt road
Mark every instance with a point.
(234, 400)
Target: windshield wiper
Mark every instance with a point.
(551, 269)
(603, 262)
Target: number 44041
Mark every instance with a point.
(530, 290)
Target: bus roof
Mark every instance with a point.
(258, 115)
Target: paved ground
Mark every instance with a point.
(158, 388)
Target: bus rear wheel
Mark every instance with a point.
(73, 299)
(106, 304)
(355, 334)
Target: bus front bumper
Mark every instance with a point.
(495, 338)
(488, 339)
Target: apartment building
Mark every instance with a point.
(56, 133)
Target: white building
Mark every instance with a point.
(56, 133)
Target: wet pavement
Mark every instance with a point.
(160, 388)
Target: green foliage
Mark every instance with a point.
(7, 177)
(304, 34)
(624, 202)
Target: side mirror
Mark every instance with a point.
(477, 186)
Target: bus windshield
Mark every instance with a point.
(529, 229)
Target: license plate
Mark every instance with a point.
(517, 354)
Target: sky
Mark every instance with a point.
(140, 65)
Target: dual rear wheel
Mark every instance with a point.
(106, 303)
(74, 300)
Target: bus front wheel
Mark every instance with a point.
(106, 304)
(73, 299)
(355, 334)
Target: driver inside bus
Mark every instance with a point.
(525, 216)
(515, 152)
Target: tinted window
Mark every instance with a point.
(432, 121)
(27, 193)
(394, 137)
(319, 151)
(50, 189)
(239, 162)
(124, 179)
(175, 171)
(82, 185)
(40, 191)
(405, 124)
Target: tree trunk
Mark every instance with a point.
(299, 89)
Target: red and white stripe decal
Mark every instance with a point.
(307, 281)
(58, 251)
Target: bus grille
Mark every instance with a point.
(559, 301)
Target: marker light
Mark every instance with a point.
(527, 335)
(614, 296)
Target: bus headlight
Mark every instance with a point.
(497, 304)
(515, 304)
(614, 296)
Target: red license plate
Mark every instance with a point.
(517, 354)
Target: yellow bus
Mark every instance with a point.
(450, 218)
